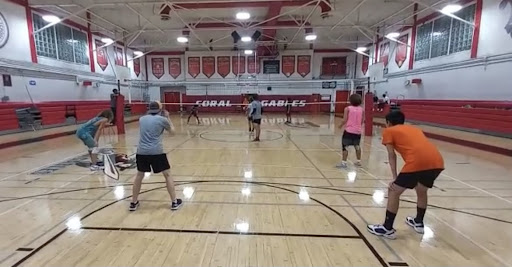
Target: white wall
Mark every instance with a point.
(317, 63)
(17, 47)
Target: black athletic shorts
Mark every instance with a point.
(257, 121)
(411, 179)
(350, 139)
(157, 163)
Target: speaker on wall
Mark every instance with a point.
(269, 88)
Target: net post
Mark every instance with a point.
(120, 114)
(368, 114)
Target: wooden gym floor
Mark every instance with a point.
(280, 202)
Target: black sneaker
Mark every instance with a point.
(134, 206)
(176, 205)
(380, 230)
(418, 227)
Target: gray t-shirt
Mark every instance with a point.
(255, 110)
(151, 129)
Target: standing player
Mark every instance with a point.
(353, 122)
(255, 114)
(150, 152)
(423, 164)
(113, 103)
(193, 112)
(289, 110)
(90, 133)
(247, 108)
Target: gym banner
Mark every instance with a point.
(157, 66)
(288, 65)
(175, 67)
(208, 66)
(101, 55)
(223, 66)
(238, 64)
(136, 66)
(119, 56)
(303, 65)
(334, 67)
(253, 65)
(365, 64)
(401, 50)
(194, 66)
(384, 54)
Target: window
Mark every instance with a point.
(60, 42)
(445, 35)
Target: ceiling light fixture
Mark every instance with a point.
(138, 53)
(311, 37)
(182, 39)
(392, 35)
(450, 9)
(248, 52)
(246, 39)
(51, 19)
(243, 15)
(361, 49)
(107, 40)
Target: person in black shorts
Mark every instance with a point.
(289, 110)
(150, 153)
(193, 112)
(249, 117)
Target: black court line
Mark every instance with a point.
(24, 249)
(392, 263)
(216, 232)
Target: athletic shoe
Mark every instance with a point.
(342, 165)
(380, 230)
(418, 227)
(134, 206)
(256, 140)
(176, 205)
(358, 164)
(95, 168)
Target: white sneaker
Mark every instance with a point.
(418, 227)
(343, 165)
(358, 164)
(95, 168)
(380, 230)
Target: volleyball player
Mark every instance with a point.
(289, 110)
(90, 133)
(193, 112)
(255, 114)
(423, 164)
(247, 108)
(353, 123)
(150, 153)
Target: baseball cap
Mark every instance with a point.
(154, 107)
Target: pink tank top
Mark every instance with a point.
(355, 118)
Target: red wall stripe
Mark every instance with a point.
(90, 39)
(413, 37)
(31, 40)
(476, 29)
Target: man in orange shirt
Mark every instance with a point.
(423, 164)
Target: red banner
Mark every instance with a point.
(384, 54)
(223, 66)
(208, 66)
(253, 65)
(334, 67)
(303, 65)
(175, 67)
(401, 50)
(288, 65)
(136, 66)
(365, 64)
(238, 64)
(119, 56)
(101, 55)
(157, 65)
(194, 66)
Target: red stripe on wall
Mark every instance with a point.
(89, 37)
(413, 37)
(31, 40)
(476, 29)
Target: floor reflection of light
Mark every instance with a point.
(378, 196)
(351, 176)
(303, 194)
(188, 192)
(248, 174)
(146, 175)
(119, 192)
(74, 223)
(427, 234)
(242, 227)
(246, 191)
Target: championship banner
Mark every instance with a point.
(157, 66)
(223, 66)
(194, 66)
(401, 50)
(119, 56)
(288, 65)
(253, 65)
(175, 67)
(101, 55)
(334, 67)
(303, 65)
(384, 54)
(365, 64)
(208, 66)
(136, 66)
(238, 64)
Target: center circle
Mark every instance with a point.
(237, 136)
